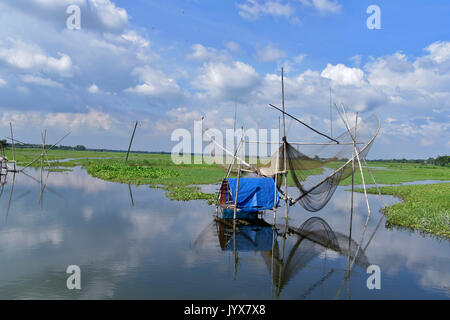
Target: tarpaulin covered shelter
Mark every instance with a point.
(255, 194)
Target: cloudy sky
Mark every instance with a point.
(168, 63)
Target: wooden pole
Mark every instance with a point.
(30, 163)
(282, 101)
(238, 178)
(351, 209)
(45, 151)
(131, 195)
(302, 123)
(235, 113)
(235, 206)
(364, 186)
(284, 147)
(10, 195)
(331, 117)
(12, 144)
(131, 141)
(276, 179)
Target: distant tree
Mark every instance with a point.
(442, 161)
(80, 147)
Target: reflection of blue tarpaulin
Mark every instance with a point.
(252, 238)
(241, 214)
(254, 193)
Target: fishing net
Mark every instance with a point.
(317, 169)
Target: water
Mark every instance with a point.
(148, 247)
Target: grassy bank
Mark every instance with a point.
(424, 207)
(176, 179)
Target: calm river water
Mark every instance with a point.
(134, 243)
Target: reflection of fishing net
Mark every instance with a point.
(317, 170)
(313, 238)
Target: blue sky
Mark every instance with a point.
(167, 63)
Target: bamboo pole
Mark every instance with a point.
(282, 101)
(131, 141)
(44, 139)
(51, 147)
(226, 176)
(274, 228)
(352, 196)
(331, 117)
(237, 182)
(285, 184)
(276, 179)
(307, 143)
(284, 148)
(235, 114)
(365, 192)
(131, 195)
(301, 122)
(10, 196)
(12, 145)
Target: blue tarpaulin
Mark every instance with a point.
(254, 193)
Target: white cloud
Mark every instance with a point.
(323, 6)
(93, 119)
(2, 82)
(356, 59)
(93, 89)
(202, 53)
(156, 84)
(110, 15)
(233, 46)
(53, 3)
(342, 75)
(41, 81)
(27, 56)
(253, 9)
(133, 37)
(327, 6)
(270, 53)
(439, 51)
(101, 15)
(226, 80)
(299, 59)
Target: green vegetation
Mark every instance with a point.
(26, 155)
(184, 193)
(121, 171)
(425, 207)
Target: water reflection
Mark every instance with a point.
(141, 245)
(285, 250)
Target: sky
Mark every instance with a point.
(169, 63)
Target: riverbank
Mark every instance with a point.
(425, 207)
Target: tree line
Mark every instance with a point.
(443, 161)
